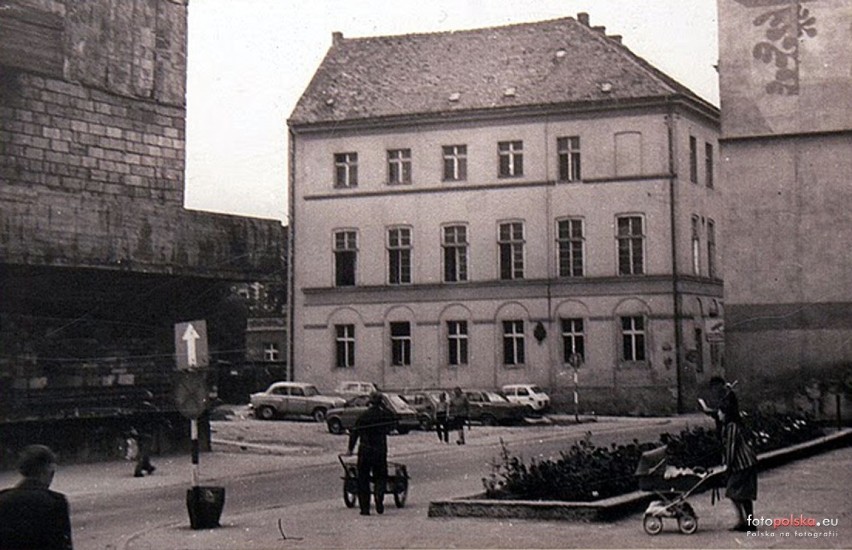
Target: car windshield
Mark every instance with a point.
(494, 397)
(311, 391)
(536, 389)
(396, 402)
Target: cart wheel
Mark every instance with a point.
(349, 497)
(400, 493)
(652, 524)
(687, 523)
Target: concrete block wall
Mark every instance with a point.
(60, 136)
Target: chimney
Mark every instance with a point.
(615, 38)
(600, 28)
(336, 38)
(583, 18)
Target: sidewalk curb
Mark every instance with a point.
(476, 506)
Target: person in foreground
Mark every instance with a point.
(31, 515)
(372, 429)
(739, 456)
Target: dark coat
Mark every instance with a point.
(34, 517)
(372, 428)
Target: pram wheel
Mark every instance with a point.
(687, 523)
(652, 524)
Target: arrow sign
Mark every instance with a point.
(191, 345)
(190, 336)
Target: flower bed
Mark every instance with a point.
(587, 472)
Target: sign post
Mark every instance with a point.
(576, 360)
(204, 504)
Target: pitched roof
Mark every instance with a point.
(529, 64)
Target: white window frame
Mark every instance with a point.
(271, 352)
(634, 336)
(344, 341)
(454, 158)
(454, 242)
(400, 247)
(568, 158)
(568, 246)
(514, 342)
(512, 244)
(401, 342)
(696, 245)
(346, 170)
(348, 244)
(399, 166)
(510, 156)
(458, 343)
(632, 248)
(573, 332)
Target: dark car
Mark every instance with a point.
(490, 408)
(341, 419)
(425, 404)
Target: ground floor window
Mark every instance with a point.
(633, 338)
(400, 344)
(345, 345)
(513, 343)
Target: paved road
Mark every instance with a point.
(298, 491)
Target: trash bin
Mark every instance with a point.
(204, 505)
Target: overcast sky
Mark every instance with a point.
(250, 60)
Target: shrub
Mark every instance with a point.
(586, 472)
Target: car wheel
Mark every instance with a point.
(489, 420)
(400, 494)
(349, 498)
(335, 426)
(425, 423)
(266, 413)
(319, 415)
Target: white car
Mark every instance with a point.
(292, 399)
(527, 394)
(354, 388)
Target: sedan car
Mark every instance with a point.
(490, 408)
(342, 419)
(527, 394)
(293, 399)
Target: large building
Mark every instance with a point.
(785, 85)
(497, 205)
(98, 258)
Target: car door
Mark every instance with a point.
(476, 404)
(298, 402)
(278, 399)
(524, 397)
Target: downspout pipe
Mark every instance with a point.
(673, 165)
(291, 237)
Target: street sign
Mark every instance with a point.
(191, 394)
(191, 345)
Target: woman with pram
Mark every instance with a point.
(739, 456)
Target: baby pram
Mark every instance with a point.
(673, 486)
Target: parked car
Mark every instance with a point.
(341, 419)
(527, 394)
(292, 399)
(353, 388)
(425, 404)
(490, 408)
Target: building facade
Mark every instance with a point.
(532, 198)
(786, 141)
(98, 258)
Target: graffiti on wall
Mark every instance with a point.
(784, 27)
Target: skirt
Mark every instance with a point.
(742, 485)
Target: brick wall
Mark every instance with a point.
(92, 141)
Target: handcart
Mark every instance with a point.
(672, 491)
(396, 482)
